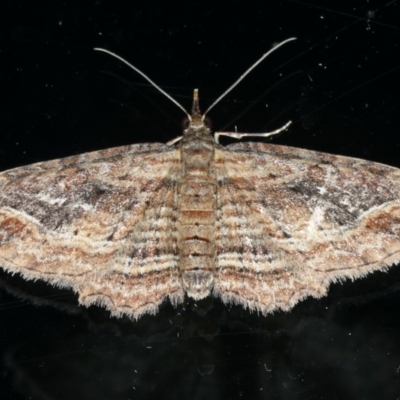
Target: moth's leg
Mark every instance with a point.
(238, 135)
(177, 139)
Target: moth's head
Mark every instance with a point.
(197, 122)
(198, 284)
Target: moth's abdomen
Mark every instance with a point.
(196, 224)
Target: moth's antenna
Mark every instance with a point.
(246, 73)
(145, 77)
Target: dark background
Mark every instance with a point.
(338, 83)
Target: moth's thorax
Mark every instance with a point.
(196, 196)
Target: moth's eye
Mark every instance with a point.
(208, 122)
(185, 123)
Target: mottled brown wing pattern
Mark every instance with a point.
(291, 221)
(101, 223)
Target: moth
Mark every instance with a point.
(256, 224)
